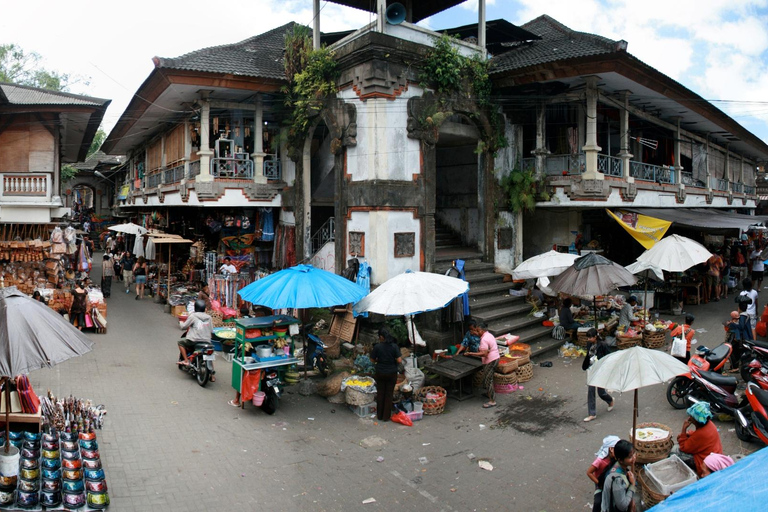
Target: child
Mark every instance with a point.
(619, 489)
(600, 468)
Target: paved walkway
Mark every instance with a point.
(169, 444)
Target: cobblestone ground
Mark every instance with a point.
(169, 444)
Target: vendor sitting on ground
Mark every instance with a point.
(700, 442)
(627, 315)
(566, 317)
(471, 342)
(199, 327)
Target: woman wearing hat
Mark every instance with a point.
(703, 439)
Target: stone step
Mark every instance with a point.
(514, 325)
(467, 254)
(489, 289)
(493, 301)
(546, 345)
(473, 267)
(449, 246)
(510, 312)
(533, 334)
(478, 278)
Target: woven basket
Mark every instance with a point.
(502, 379)
(524, 373)
(332, 345)
(355, 397)
(653, 451)
(625, 342)
(432, 406)
(477, 379)
(581, 339)
(520, 347)
(505, 366)
(655, 339)
(503, 389)
(650, 495)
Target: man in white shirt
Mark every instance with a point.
(758, 267)
(228, 267)
(751, 308)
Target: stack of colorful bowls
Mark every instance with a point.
(50, 490)
(95, 484)
(28, 486)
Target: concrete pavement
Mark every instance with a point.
(169, 444)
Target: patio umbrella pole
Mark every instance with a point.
(7, 393)
(634, 421)
(413, 340)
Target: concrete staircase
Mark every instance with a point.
(489, 298)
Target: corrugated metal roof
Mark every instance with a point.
(558, 42)
(258, 56)
(25, 95)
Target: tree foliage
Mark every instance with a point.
(98, 140)
(522, 189)
(24, 68)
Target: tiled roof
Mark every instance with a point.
(99, 158)
(14, 94)
(258, 56)
(558, 42)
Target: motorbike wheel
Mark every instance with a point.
(202, 372)
(321, 365)
(677, 390)
(741, 432)
(271, 401)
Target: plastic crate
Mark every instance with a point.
(415, 415)
(670, 475)
(363, 410)
(216, 345)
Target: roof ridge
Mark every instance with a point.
(65, 94)
(568, 31)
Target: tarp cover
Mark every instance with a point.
(738, 487)
(701, 217)
(33, 336)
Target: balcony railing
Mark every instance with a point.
(194, 168)
(154, 180)
(718, 184)
(273, 168)
(649, 172)
(610, 165)
(174, 174)
(239, 168)
(689, 181)
(564, 164)
(23, 184)
(749, 190)
(737, 187)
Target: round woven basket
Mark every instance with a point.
(625, 342)
(581, 339)
(332, 345)
(355, 397)
(506, 365)
(655, 339)
(338, 398)
(524, 373)
(432, 405)
(477, 380)
(651, 497)
(653, 451)
(503, 379)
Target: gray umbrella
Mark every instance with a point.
(33, 336)
(592, 275)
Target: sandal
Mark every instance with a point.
(590, 418)
(489, 405)
(234, 403)
(610, 407)
(213, 378)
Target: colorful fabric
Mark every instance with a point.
(701, 412)
(717, 461)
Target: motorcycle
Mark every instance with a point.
(753, 351)
(270, 383)
(756, 372)
(705, 379)
(752, 418)
(314, 353)
(200, 362)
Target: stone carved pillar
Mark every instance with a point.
(624, 154)
(258, 142)
(591, 149)
(541, 152)
(205, 152)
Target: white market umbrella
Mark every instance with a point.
(634, 368)
(411, 293)
(648, 270)
(550, 263)
(129, 228)
(675, 253)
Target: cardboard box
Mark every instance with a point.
(177, 311)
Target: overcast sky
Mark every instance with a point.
(717, 48)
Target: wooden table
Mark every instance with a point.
(455, 369)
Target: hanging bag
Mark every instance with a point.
(679, 345)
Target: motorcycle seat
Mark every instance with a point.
(719, 380)
(760, 343)
(761, 395)
(718, 354)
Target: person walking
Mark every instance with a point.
(596, 350)
(140, 274)
(489, 352)
(128, 263)
(751, 293)
(758, 267)
(385, 356)
(79, 305)
(107, 273)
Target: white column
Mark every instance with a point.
(381, 9)
(205, 153)
(709, 167)
(728, 162)
(678, 163)
(187, 149)
(316, 24)
(481, 25)
(258, 142)
(541, 152)
(591, 149)
(624, 153)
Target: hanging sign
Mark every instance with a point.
(646, 230)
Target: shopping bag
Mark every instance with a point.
(402, 418)
(100, 318)
(679, 347)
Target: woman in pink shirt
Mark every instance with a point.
(489, 352)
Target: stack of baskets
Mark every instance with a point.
(656, 450)
(433, 398)
(524, 372)
(505, 383)
(625, 342)
(654, 339)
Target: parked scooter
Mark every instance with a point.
(314, 352)
(200, 362)
(271, 385)
(756, 372)
(752, 418)
(754, 350)
(705, 378)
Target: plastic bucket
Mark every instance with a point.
(418, 406)
(9, 462)
(258, 398)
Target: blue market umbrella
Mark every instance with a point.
(302, 286)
